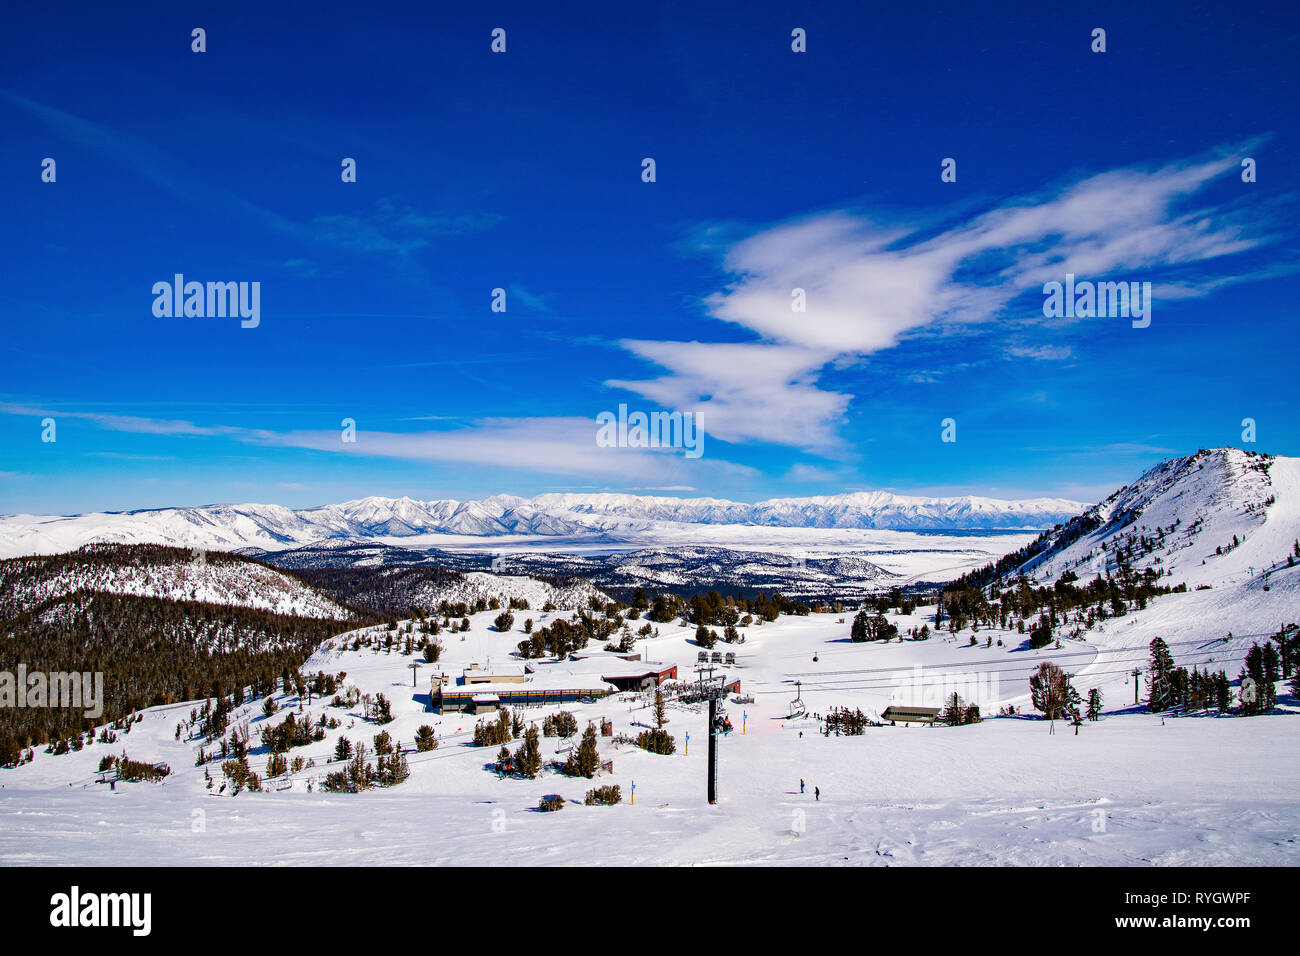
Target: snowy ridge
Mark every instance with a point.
(481, 584)
(611, 517)
(177, 576)
(1181, 517)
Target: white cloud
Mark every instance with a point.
(744, 391)
(1046, 353)
(554, 445)
(870, 285)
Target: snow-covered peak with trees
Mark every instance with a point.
(1219, 517)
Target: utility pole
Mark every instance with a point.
(1136, 671)
(413, 666)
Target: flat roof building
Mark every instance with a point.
(558, 682)
(914, 715)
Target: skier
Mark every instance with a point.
(817, 793)
(801, 785)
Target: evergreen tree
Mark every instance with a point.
(1259, 696)
(1222, 692)
(1160, 680)
(1271, 662)
(528, 758)
(584, 761)
(1094, 704)
(954, 711)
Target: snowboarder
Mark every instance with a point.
(801, 786)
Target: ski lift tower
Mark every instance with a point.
(715, 720)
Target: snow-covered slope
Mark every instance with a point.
(611, 517)
(1225, 518)
(159, 573)
(481, 584)
(1131, 789)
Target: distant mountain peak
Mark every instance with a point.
(597, 517)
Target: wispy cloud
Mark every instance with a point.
(1045, 353)
(554, 445)
(870, 285)
(389, 229)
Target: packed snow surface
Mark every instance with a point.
(1132, 788)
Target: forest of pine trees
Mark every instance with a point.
(151, 651)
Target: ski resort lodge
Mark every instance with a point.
(580, 678)
(918, 715)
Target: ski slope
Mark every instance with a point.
(1129, 789)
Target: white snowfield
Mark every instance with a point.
(1129, 789)
(564, 520)
(482, 584)
(1132, 788)
(242, 584)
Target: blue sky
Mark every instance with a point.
(522, 171)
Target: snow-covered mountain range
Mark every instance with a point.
(597, 517)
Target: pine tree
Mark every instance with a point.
(1094, 704)
(1271, 662)
(954, 711)
(660, 718)
(1222, 692)
(584, 761)
(528, 758)
(1262, 689)
(1160, 683)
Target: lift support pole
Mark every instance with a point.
(713, 749)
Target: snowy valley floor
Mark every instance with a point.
(1129, 789)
